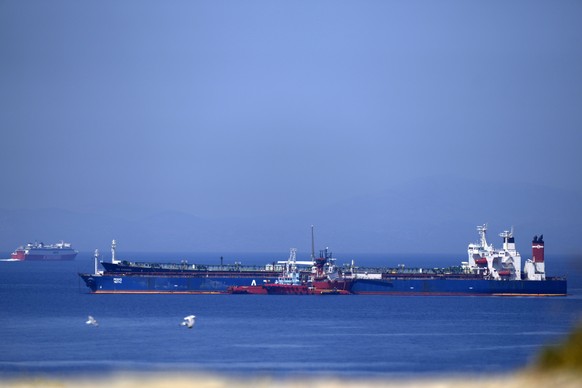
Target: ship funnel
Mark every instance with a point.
(312, 245)
(537, 249)
(508, 240)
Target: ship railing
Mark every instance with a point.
(555, 277)
(421, 276)
(202, 267)
(240, 268)
(404, 270)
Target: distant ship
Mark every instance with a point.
(44, 252)
(488, 271)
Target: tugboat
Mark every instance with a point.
(324, 279)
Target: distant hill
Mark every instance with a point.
(431, 216)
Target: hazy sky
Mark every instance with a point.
(220, 108)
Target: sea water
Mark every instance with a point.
(44, 306)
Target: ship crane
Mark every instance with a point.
(292, 261)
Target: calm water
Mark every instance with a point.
(43, 308)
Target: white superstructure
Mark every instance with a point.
(498, 264)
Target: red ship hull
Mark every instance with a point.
(247, 290)
(317, 288)
(18, 255)
(287, 289)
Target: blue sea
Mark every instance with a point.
(44, 306)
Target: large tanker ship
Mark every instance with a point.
(44, 252)
(122, 276)
(488, 271)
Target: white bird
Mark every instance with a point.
(189, 321)
(92, 321)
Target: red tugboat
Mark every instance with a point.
(327, 280)
(324, 280)
(247, 290)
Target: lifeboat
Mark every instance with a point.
(481, 261)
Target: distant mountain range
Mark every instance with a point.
(428, 217)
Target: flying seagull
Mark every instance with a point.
(92, 321)
(189, 321)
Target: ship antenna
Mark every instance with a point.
(312, 244)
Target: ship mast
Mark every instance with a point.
(113, 246)
(482, 229)
(312, 245)
(96, 256)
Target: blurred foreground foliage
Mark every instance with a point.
(564, 356)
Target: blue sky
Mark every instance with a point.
(263, 108)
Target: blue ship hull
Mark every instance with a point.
(170, 284)
(218, 284)
(550, 287)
